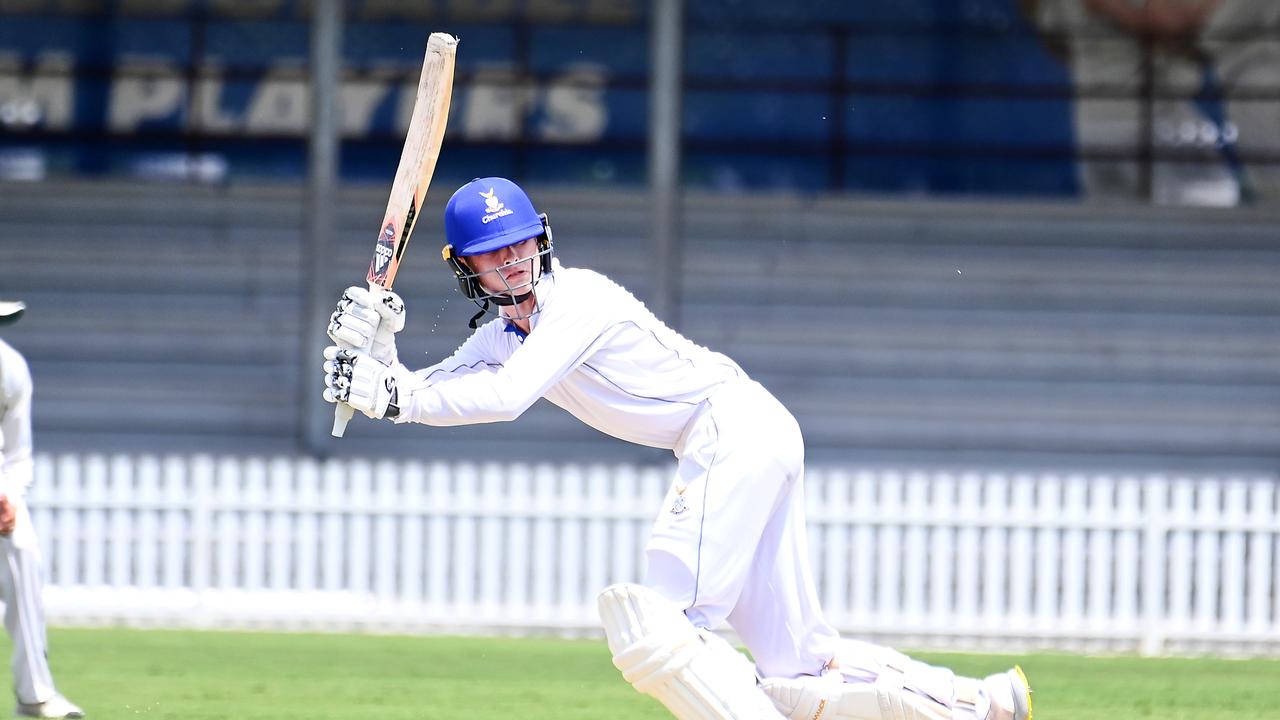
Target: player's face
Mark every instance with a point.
(509, 270)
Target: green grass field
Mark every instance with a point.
(117, 673)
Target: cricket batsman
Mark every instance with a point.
(729, 543)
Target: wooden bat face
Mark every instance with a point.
(417, 159)
(413, 175)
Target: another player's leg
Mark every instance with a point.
(872, 682)
(23, 593)
(694, 673)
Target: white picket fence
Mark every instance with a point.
(920, 559)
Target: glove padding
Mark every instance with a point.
(359, 380)
(368, 320)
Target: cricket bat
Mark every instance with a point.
(413, 175)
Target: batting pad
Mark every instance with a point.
(873, 682)
(694, 673)
(830, 698)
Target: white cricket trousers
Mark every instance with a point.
(729, 542)
(22, 590)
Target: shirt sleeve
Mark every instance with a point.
(16, 463)
(560, 341)
(475, 355)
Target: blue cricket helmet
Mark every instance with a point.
(485, 215)
(488, 214)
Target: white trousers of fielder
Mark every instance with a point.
(22, 590)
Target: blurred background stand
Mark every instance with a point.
(318, 238)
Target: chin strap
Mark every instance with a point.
(474, 322)
(504, 300)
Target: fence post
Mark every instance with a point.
(388, 516)
(596, 544)
(412, 539)
(119, 528)
(280, 509)
(307, 534)
(1128, 554)
(1263, 573)
(568, 595)
(491, 516)
(1235, 516)
(462, 541)
(837, 501)
(440, 505)
(916, 549)
(1021, 552)
(148, 505)
(1105, 564)
(544, 559)
(1048, 553)
(624, 489)
(1154, 508)
(69, 488)
(995, 504)
(888, 574)
(359, 504)
(201, 521)
(1181, 552)
(253, 520)
(334, 501)
(1207, 553)
(515, 599)
(95, 523)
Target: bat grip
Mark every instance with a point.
(342, 412)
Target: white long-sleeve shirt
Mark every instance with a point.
(15, 422)
(592, 349)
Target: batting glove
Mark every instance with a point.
(359, 380)
(368, 320)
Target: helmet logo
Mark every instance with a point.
(493, 208)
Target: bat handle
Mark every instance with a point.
(342, 413)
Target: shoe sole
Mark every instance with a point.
(19, 713)
(1021, 694)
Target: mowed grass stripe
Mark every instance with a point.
(126, 673)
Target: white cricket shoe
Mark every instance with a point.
(55, 707)
(1010, 695)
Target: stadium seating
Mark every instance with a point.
(167, 317)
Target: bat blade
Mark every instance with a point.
(413, 174)
(417, 159)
